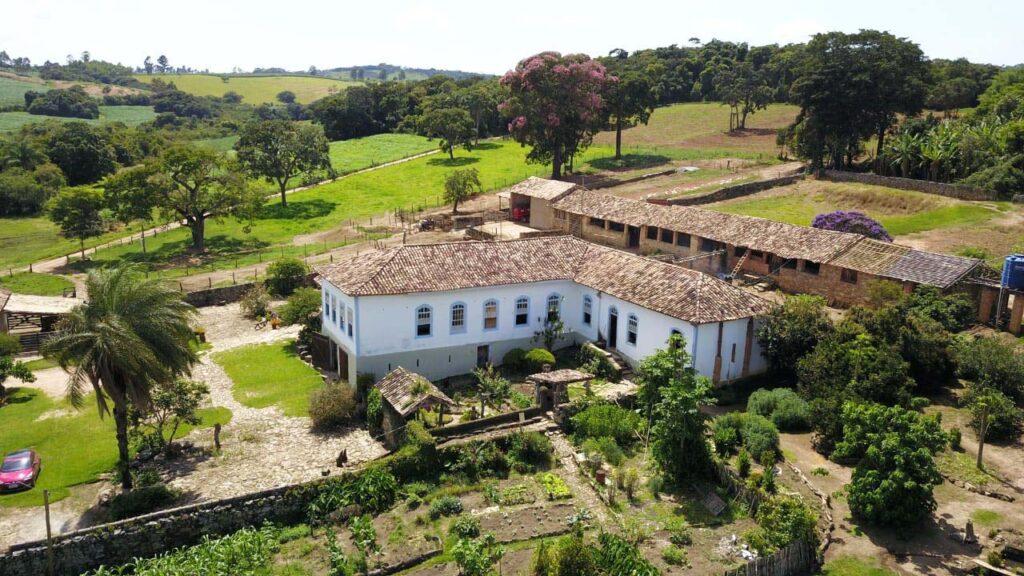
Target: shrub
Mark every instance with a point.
(655, 484)
(759, 435)
(141, 501)
(284, 276)
(787, 410)
(919, 403)
(465, 527)
(781, 520)
(851, 221)
(331, 405)
(606, 448)
(726, 432)
(375, 409)
(991, 362)
(514, 360)
(479, 459)
(255, 303)
(537, 358)
(445, 506)
(531, 449)
(10, 345)
(674, 556)
(593, 361)
(743, 463)
(955, 437)
(302, 304)
(630, 478)
(680, 535)
(1005, 420)
(600, 420)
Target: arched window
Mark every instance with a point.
(672, 341)
(588, 309)
(424, 319)
(490, 315)
(631, 329)
(458, 318)
(349, 313)
(554, 309)
(522, 311)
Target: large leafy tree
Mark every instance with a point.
(128, 197)
(461, 185)
(746, 90)
(556, 105)
(632, 98)
(130, 335)
(677, 436)
(77, 211)
(279, 150)
(453, 126)
(193, 184)
(792, 330)
(852, 86)
(9, 368)
(893, 481)
(83, 153)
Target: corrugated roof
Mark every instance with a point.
(779, 238)
(541, 188)
(30, 304)
(672, 290)
(407, 391)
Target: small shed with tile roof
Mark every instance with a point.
(405, 393)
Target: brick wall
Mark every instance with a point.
(940, 188)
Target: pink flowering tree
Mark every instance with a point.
(555, 105)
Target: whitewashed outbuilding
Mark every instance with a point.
(444, 309)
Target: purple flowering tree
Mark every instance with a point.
(555, 105)
(851, 221)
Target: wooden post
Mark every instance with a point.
(49, 535)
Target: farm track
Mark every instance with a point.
(54, 264)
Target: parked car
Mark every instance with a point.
(19, 470)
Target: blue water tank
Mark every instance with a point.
(1013, 272)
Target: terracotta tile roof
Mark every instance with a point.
(541, 188)
(779, 238)
(842, 249)
(672, 290)
(407, 391)
(904, 263)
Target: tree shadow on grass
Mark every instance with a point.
(296, 210)
(485, 146)
(453, 162)
(629, 162)
(923, 543)
(19, 395)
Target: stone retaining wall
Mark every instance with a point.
(479, 424)
(941, 188)
(730, 192)
(227, 294)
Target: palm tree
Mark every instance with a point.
(21, 153)
(130, 334)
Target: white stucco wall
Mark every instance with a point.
(385, 330)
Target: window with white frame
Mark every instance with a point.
(341, 318)
(631, 329)
(458, 320)
(490, 315)
(327, 306)
(588, 309)
(334, 310)
(522, 311)
(424, 319)
(349, 313)
(554, 307)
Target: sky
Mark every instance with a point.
(476, 36)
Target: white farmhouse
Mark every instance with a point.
(444, 309)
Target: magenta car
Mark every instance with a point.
(19, 470)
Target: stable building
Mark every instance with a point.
(798, 259)
(444, 309)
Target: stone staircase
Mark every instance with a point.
(625, 371)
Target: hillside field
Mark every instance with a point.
(12, 91)
(129, 115)
(704, 126)
(253, 89)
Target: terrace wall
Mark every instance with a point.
(942, 189)
(730, 192)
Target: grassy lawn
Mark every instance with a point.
(901, 212)
(41, 364)
(351, 155)
(254, 89)
(853, 566)
(38, 284)
(129, 115)
(24, 240)
(12, 91)
(704, 127)
(270, 375)
(93, 446)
